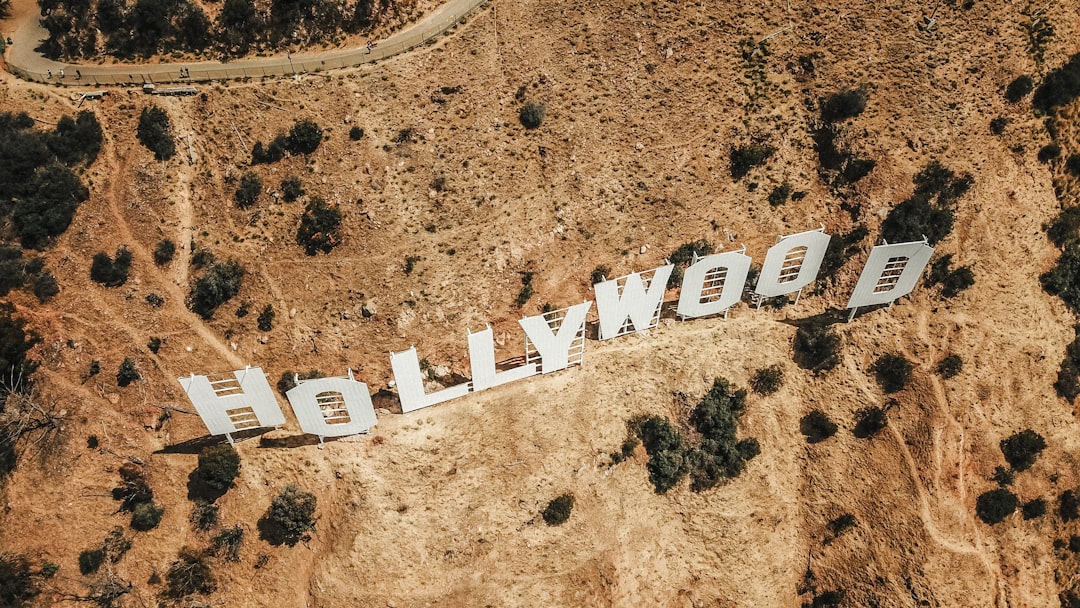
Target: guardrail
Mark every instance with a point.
(97, 75)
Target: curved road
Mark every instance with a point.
(24, 62)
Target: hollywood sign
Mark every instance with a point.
(339, 406)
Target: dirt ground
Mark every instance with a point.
(643, 101)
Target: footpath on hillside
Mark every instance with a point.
(26, 63)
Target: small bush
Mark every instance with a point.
(266, 318)
(780, 194)
(286, 382)
(1002, 476)
(666, 469)
(817, 427)
(48, 570)
(1022, 449)
(930, 211)
(817, 348)
(290, 517)
(526, 289)
(154, 345)
(950, 366)
(869, 421)
(682, 257)
(111, 272)
(1063, 280)
(164, 252)
(90, 560)
(45, 286)
(304, 137)
(1048, 153)
(154, 300)
(952, 281)
(247, 194)
(767, 380)
(599, 274)
(997, 125)
(892, 372)
(319, 227)
(218, 466)
(189, 574)
(843, 105)
(1018, 88)
(1034, 508)
(558, 510)
(133, 488)
(155, 133)
(146, 516)
(745, 158)
(1072, 165)
(532, 115)
(219, 284)
(228, 542)
(92, 442)
(1059, 87)
(994, 506)
(356, 133)
(204, 515)
(291, 189)
(1069, 506)
(128, 373)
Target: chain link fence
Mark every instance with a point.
(186, 73)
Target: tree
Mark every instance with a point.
(228, 541)
(304, 137)
(1022, 449)
(77, 139)
(767, 380)
(930, 211)
(238, 25)
(146, 516)
(817, 348)
(51, 196)
(994, 506)
(892, 372)
(532, 115)
(558, 510)
(266, 318)
(817, 426)
(218, 466)
(133, 489)
(189, 574)
(290, 517)
(248, 192)
(45, 286)
(319, 227)
(155, 132)
(128, 372)
(164, 252)
(220, 282)
(111, 272)
(291, 189)
(869, 421)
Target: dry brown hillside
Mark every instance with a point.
(644, 103)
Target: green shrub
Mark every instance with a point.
(526, 289)
(228, 542)
(219, 284)
(767, 380)
(46, 205)
(931, 209)
(817, 427)
(154, 345)
(994, 506)
(290, 517)
(164, 252)
(745, 158)
(558, 510)
(656, 434)
(319, 227)
(1034, 508)
(247, 194)
(218, 466)
(155, 132)
(48, 570)
(128, 373)
(291, 189)
(666, 469)
(532, 115)
(304, 137)
(1022, 449)
(204, 515)
(356, 133)
(189, 574)
(146, 516)
(817, 348)
(1002, 476)
(869, 422)
(90, 560)
(841, 248)
(950, 366)
(892, 372)
(111, 272)
(133, 488)
(1018, 88)
(843, 105)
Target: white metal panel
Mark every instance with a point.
(410, 383)
(631, 303)
(713, 284)
(236, 402)
(556, 338)
(792, 263)
(891, 272)
(482, 361)
(332, 407)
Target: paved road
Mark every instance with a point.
(27, 64)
